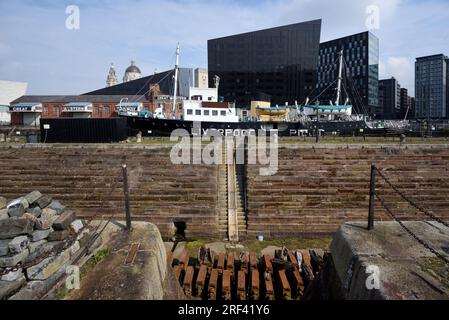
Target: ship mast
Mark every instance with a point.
(176, 80)
(340, 78)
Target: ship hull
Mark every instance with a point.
(165, 127)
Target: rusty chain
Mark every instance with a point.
(439, 255)
(413, 204)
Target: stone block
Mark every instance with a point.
(4, 214)
(17, 207)
(42, 252)
(64, 220)
(13, 260)
(32, 197)
(4, 247)
(3, 202)
(43, 201)
(18, 244)
(48, 217)
(8, 288)
(74, 248)
(76, 226)
(58, 235)
(13, 227)
(48, 267)
(57, 206)
(30, 217)
(34, 246)
(38, 235)
(35, 211)
(12, 275)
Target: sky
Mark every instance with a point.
(37, 47)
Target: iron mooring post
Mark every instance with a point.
(126, 192)
(372, 194)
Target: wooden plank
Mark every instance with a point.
(201, 279)
(298, 285)
(212, 288)
(285, 286)
(185, 258)
(269, 292)
(292, 259)
(267, 263)
(188, 281)
(244, 261)
(230, 262)
(226, 285)
(255, 285)
(241, 285)
(253, 261)
(179, 273)
(221, 262)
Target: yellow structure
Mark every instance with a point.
(265, 113)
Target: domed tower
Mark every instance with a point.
(132, 73)
(112, 77)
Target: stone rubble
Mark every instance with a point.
(39, 238)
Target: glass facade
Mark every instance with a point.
(361, 54)
(277, 64)
(431, 87)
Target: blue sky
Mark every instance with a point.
(36, 47)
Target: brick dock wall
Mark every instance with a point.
(315, 189)
(88, 179)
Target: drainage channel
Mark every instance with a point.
(245, 276)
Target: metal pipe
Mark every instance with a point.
(372, 194)
(126, 192)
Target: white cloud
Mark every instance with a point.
(402, 68)
(56, 60)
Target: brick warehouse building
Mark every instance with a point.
(28, 110)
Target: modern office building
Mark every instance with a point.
(406, 105)
(361, 56)
(432, 87)
(389, 98)
(277, 64)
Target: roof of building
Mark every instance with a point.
(79, 98)
(288, 26)
(435, 56)
(140, 86)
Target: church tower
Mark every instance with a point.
(112, 77)
(132, 73)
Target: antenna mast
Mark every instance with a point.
(340, 78)
(176, 79)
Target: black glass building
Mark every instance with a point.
(361, 54)
(277, 64)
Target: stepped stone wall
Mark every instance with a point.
(318, 188)
(315, 189)
(89, 180)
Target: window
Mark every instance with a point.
(107, 110)
(197, 112)
(223, 113)
(206, 112)
(56, 111)
(214, 112)
(45, 111)
(189, 111)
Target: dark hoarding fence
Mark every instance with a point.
(83, 130)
